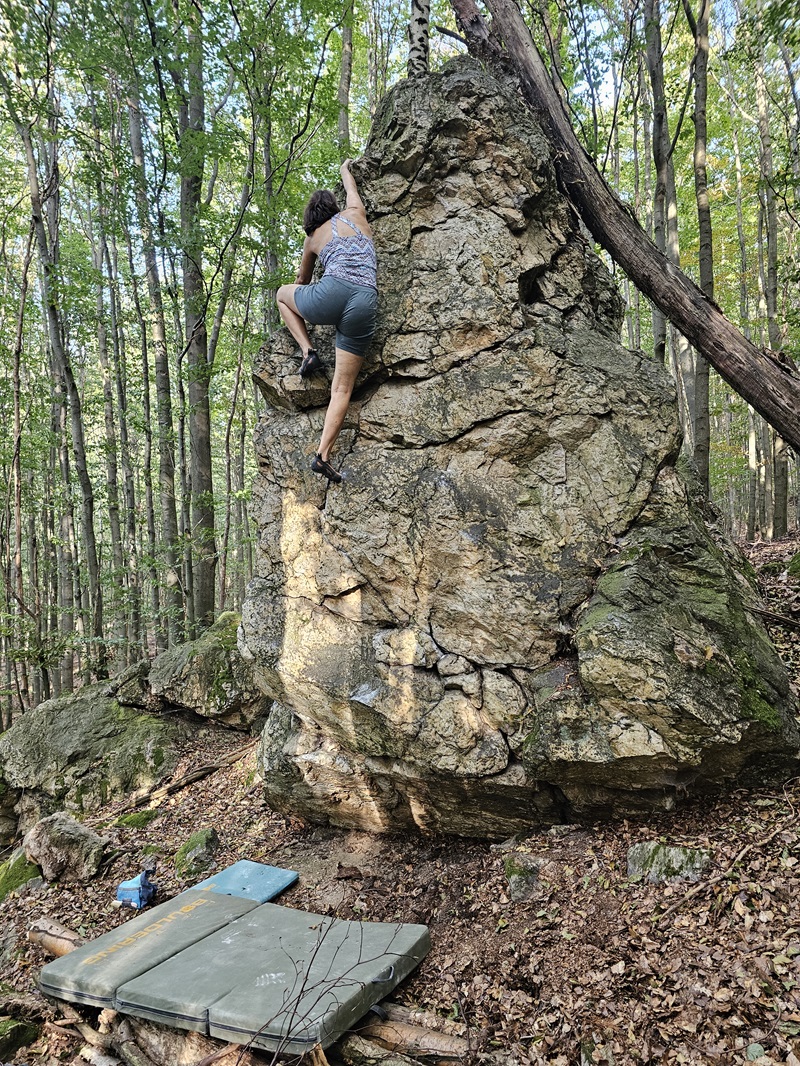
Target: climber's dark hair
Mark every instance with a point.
(319, 209)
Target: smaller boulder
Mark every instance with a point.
(663, 863)
(197, 854)
(523, 872)
(130, 688)
(64, 849)
(16, 1034)
(8, 816)
(210, 677)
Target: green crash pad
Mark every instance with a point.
(278, 979)
(92, 973)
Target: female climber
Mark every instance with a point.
(346, 297)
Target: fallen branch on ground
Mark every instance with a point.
(25, 1007)
(777, 619)
(396, 1012)
(140, 798)
(403, 1037)
(357, 1051)
(56, 939)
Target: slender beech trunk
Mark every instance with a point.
(47, 247)
(779, 453)
(16, 576)
(110, 449)
(166, 429)
(771, 387)
(159, 641)
(665, 214)
(699, 28)
(110, 258)
(191, 119)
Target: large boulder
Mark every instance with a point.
(76, 752)
(511, 611)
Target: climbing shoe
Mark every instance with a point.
(322, 466)
(310, 363)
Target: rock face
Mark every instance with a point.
(79, 751)
(511, 611)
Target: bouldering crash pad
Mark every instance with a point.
(92, 973)
(239, 970)
(278, 979)
(251, 880)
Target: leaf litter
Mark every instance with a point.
(592, 968)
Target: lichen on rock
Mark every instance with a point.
(511, 612)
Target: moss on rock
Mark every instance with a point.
(209, 677)
(80, 751)
(15, 872)
(16, 1034)
(196, 855)
(137, 819)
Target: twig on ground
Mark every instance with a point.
(702, 885)
(140, 798)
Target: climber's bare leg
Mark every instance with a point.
(344, 378)
(295, 322)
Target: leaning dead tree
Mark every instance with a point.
(769, 385)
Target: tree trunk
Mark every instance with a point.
(344, 81)
(191, 118)
(780, 462)
(752, 479)
(160, 629)
(699, 28)
(47, 245)
(418, 38)
(665, 223)
(166, 430)
(768, 385)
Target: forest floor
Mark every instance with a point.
(596, 969)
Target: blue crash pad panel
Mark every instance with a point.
(278, 979)
(251, 880)
(92, 973)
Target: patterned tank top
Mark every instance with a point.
(350, 258)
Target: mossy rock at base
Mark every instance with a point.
(664, 863)
(209, 676)
(772, 569)
(197, 854)
(16, 1034)
(793, 569)
(137, 819)
(78, 752)
(15, 872)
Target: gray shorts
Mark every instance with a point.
(333, 302)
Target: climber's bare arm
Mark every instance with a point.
(354, 201)
(306, 271)
(354, 209)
